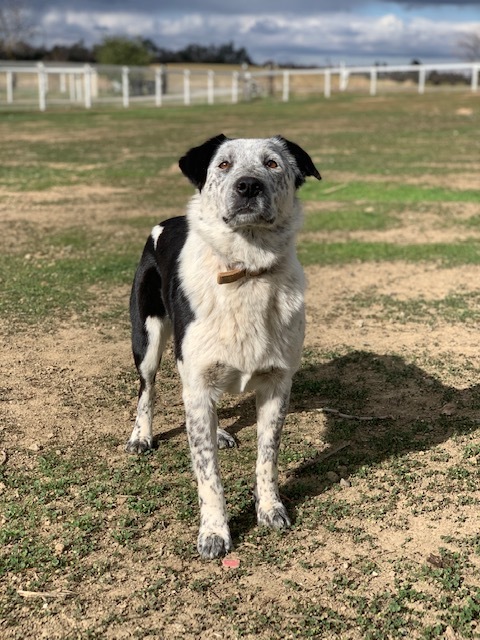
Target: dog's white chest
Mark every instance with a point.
(247, 329)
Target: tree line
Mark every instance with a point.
(125, 51)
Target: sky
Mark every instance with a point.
(303, 32)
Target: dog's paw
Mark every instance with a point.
(274, 517)
(225, 440)
(211, 545)
(138, 445)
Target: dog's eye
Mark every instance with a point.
(225, 165)
(271, 164)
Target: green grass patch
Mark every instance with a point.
(473, 222)
(366, 219)
(326, 253)
(36, 289)
(452, 308)
(383, 192)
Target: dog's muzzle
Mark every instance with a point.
(249, 205)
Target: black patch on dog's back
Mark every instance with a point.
(157, 290)
(169, 246)
(145, 300)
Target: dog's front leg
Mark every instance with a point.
(271, 410)
(214, 536)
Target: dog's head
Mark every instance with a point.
(248, 182)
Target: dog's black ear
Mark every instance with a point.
(303, 160)
(194, 164)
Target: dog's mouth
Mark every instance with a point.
(248, 218)
(249, 214)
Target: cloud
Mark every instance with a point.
(386, 37)
(219, 7)
(308, 34)
(412, 4)
(247, 6)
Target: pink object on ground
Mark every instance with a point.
(232, 563)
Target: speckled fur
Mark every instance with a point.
(246, 335)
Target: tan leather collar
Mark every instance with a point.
(226, 277)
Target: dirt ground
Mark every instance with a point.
(55, 395)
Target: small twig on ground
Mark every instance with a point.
(347, 416)
(3, 457)
(335, 188)
(333, 450)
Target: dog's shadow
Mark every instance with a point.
(389, 407)
(382, 407)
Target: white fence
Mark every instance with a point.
(25, 84)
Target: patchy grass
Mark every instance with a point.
(351, 219)
(453, 308)
(382, 489)
(352, 251)
(39, 287)
(388, 193)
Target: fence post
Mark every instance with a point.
(327, 83)
(71, 86)
(87, 81)
(9, 87)
(373, 81)
(125, 87)
(186, 87)
(78, 88)
(421, 80)
(475, 70)
(158, 87)
(343, 77)
(286, 86)
(247, 85)
(210, 87)
(94, 79)
(235, 75)
(42, 87)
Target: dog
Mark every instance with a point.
(225, 281)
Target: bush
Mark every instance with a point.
(122, 50)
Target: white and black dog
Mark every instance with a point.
(225, 280)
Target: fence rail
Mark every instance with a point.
(48, 84)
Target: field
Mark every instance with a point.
(380, 459)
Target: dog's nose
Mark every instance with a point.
(248, 187)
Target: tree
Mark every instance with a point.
(211, 54)
(123, 50)
(15, 27)
(469, 46)
(76, 52)
(224, 53)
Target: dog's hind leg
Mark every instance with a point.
(151, 329)
(224, 439)
(272, 406)
(157, 335)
